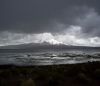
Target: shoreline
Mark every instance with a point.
(82, 63)
(84, 74)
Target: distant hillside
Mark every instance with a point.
(24, 46)
(42, 47)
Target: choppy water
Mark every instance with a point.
(48, 58)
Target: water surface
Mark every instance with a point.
(49, 57)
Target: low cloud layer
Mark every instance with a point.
(72, 36)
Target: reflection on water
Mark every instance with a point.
(45, 58)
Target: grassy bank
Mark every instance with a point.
(85, 74)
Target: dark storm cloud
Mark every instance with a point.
(37, 16)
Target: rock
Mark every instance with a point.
(28, 82)
(84, 78)
(97, 73)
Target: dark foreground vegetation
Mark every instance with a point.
(85, 74)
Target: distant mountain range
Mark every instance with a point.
(29, 46)
(42, 47)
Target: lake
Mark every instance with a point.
(49, 57)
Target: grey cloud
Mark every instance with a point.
(90, 23)
(37, 16)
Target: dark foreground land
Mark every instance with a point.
(85, 74)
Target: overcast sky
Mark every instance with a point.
(75, 22)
